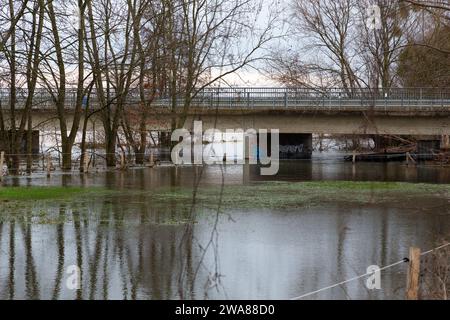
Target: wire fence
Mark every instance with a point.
(367, 274)
(53, 161)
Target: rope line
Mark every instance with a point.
(435, 249)
(404, 260)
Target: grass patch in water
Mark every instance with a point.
(301, 194)
(45, 193)
(58, 205)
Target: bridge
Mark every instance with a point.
(296, 112)
(398, 100)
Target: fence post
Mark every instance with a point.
(122, 160)
(409, 159)
(446, 142)
(412, 281)
(152, 163)
(49, 165)
(2, 159)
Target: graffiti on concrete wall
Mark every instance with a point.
(292, 148)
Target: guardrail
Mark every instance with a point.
(272, 98)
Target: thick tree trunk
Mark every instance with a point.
(139, 157)
(110, 141)
(14, 162)
(66, 147)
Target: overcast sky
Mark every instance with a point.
(257, 76)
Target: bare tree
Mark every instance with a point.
(204, 45)
(327, 28)
(21, 50)
(65, 49)
(113, 62)
(381, 44)
(148, 20)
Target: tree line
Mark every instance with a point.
(366, 48)
(374, 44)
(108, 48)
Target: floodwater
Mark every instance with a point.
(128, 247)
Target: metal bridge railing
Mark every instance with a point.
(272, 98)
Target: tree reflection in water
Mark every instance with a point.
(130, 247)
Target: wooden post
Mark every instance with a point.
(409, 159)
(152, 163)
(2, 159)
(122, 160)
(446, 142)
(412, 284)
(49, 165)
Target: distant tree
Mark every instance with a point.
(327, 33)
(205, 41)
(424, 66)
(381, 45)
(331, 44)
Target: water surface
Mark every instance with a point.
(130, 246)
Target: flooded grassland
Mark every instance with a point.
(216, 232)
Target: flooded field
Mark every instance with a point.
(219, 232)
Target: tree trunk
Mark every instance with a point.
(66, 147)
(29, 144)
(139, 156)
(110, 141)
